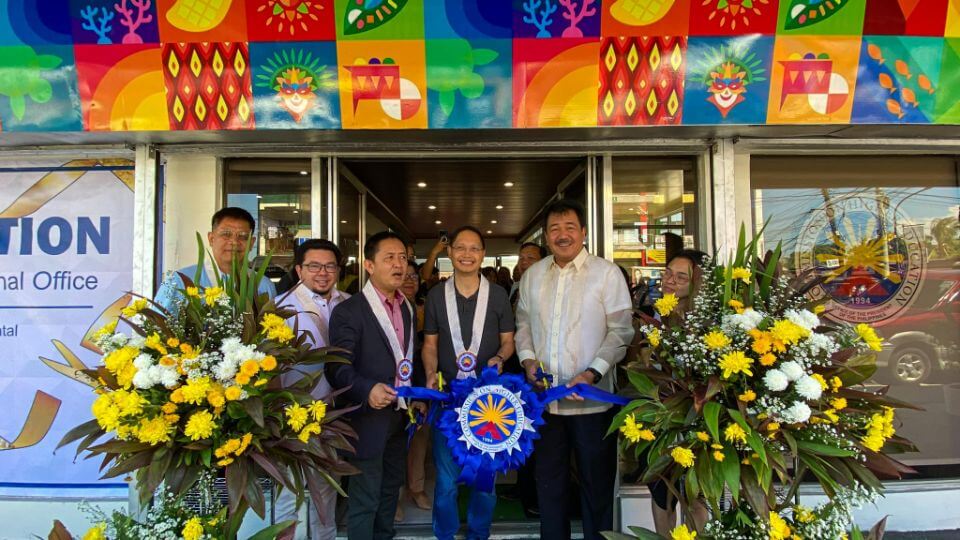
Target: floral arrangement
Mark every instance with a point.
(202, 389)
(750, 391)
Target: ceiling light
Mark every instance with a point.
(499, 207)
(508, 184)
(438, 222)
(421, 184)
(304, 173)
(432, 207)
(493, 221)
(296, 211)
(630, 209)
(489, 232)
(343, 221)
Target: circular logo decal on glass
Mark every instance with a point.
(868, 255)
(492, 419)
(405, 370)
(467, 361)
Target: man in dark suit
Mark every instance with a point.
(377, 328)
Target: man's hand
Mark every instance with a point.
(585, 377)
(381, 396)
(421, 407)
(437, 249)
(432, 381)
(530, 367)
(497, 362)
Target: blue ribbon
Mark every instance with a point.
(479, 469)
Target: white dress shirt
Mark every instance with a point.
(574, 318)
(313, 315)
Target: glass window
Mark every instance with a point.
(882, 232)
(654, 215)
(277, 193)
(348, 235)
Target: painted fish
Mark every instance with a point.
(909, 96)
(875, 53)
(903, 68)
(886, 81)
(894, 107)
(925, 84)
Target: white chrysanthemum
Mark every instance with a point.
(821, 344)
(169, 377)
(792, 370)
(143, 380)
(808, 387)
(746, 321)
(803, 318)
(143, 362)
(775, 380)
(137, 341)
(225, 370)
(797, 413)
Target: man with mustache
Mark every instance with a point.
(377, 328)
(313, 298)
(229, 239)
(468, 326)
(574, 318)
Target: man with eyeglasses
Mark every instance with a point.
(230, 231)
(468, 326)
(317, 264)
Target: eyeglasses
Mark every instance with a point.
(230, 234)
(411, 277)
(473, 250)
(313, 268)
(679, 278)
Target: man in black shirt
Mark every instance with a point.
(468, 326)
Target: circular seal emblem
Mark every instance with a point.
(467, 362)
(405, 370)
(492, 419)
(868, 254)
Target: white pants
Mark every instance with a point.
(286, 509)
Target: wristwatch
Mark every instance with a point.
(596, 375)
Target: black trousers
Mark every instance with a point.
(596, 459)
(374, 493)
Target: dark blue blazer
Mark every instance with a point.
(354, 327)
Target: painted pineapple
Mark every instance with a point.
(640, 12)
(198, 15)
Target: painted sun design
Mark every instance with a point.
(735, 12)
(859, 248)
(493, 419)
(291, 15)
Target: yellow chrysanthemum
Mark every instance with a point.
(167, 361)
(199, 426)
(137, 306)
(788, 331)
(718, 455)
(281, 334)
(735, 434)
(215, 397)
(869, 336)
(835, 384)
(169, 407)
(296, 416)
(736, 305)
(741, 273)
(244, 443)
(631, 428)
(269, 363)
(839, 403)
(154, 431)
(666, 304)
(195, 391)
(716, 340)
(735, 362)
(313, 428)
(177, 395)
(242, 378)
(97, 532)
(779, 530)
(192, 529)
(212, 294)
(683, 456)
(832, 416)
(702, 435)
(271, 321)
(762, 342)
(232, 393)
(682, 533)
(250, 368)
(747, 396)
(803, 514)
(260, 382)
(654, 337)
(173, 342)
(106, 412)
(819, 378)
(227, 448)
(105, 330)
(188, 351)
(647, 435)
(193, 291)
(153, 342)
(224, 462)
(120, 363)
(768, 360)
(318, 410)
(773, 426)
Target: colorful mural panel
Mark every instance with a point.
(813, 80)
(821, 17)
(641, 81)
(38, 89)
(947, 108)
(953, 19)
(645, 17)
(121, 88)
(905, 17)
(382, 84)
(208, 85)
(470, 19)
(556, 18)
(467, 81)
(555, 82)
(732, 17)
(107, 22)
(295, 85)
(30, 22)
(290, 20)
(381, 19)
(728, 80)
(201, 20)
(898, 80)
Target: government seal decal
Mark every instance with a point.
(869, 255)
